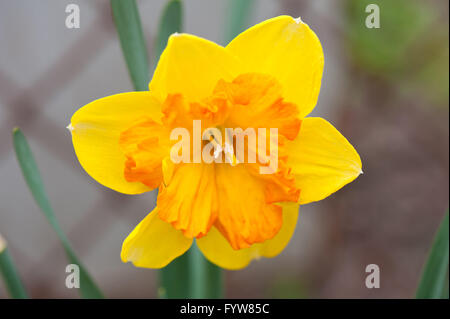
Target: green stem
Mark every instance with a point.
(206, 279)
(191, 276)
(174, 279)
(197, 274)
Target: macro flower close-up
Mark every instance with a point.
(223, 158)
(269, 76)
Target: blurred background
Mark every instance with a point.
(385, 89)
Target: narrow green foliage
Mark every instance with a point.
(128, 24)
(190, 275)
(171, 21)
(237, 18)
(30, 171)
(9, 273)
(434, 281)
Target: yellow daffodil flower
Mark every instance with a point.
(267, 77)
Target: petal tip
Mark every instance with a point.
(123, 255)
(298, 20)
(69, 127)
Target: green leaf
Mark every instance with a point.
(190, 274)
(9, 273)
(128, 24)
(171, 21)
(174, 278)
(30, 171)
(434, 281)
(237, 17)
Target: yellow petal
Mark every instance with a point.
(322, 160)
(217, 249)
(191, 66)
(154, 243)
(96, 130)
(287, 49)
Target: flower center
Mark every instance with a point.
(218, 149)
